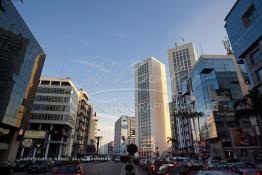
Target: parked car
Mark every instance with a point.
(70, 169)
(215, 173)
(86, 159)
(22, 166)
(6, 167)
(171, 169)
(40, 167)
(116, 159)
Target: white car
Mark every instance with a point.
(86, 159)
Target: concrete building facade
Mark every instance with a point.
(53, 118)
(152, 113)
(181, 59)
(84, 113)
(124, 134)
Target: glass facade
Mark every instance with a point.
(18, 53)
(241, 35)
(243, 25)
(214, 78)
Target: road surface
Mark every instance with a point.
(98, 168)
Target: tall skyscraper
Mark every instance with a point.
(181, 59)
(21, 63)
(53, 120)
(151, 106)
(124, 134)
(243, 25)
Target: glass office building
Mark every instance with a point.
(216, 83)
(244, 28)
(21, 62)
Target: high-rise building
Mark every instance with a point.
(181, 59)
(53, 119)
(124, 134)
(21, 63)
(243, 25)
(107, 148)
(84, 113)
(217, 83)
(152, 113)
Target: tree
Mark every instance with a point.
(98, 139)
(132, 149)
(173, 141)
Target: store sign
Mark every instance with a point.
(27, 143)
(35, 134)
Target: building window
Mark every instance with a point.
(256, 56)
(249, 16)
(259, 74)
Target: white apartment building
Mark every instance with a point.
(124, 134)
(151, 109)
(181, 59)
(52, 124)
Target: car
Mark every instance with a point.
(259, 168)
(40, 167)
(6, 167)
(146, 165)
(86, 159)
(215, 173)
(22, 166)
(242, 168)
(155, 166)
(70, 169)
(172, 169)
(142, 161)
(116, 159)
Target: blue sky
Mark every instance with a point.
(96, 42)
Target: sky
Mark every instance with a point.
(97, 42)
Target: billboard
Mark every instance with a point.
(34, 134)
(244, 138)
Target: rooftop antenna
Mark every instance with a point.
(175, 44)
(227, 46)
(200, 48)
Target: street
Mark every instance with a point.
(99, 168)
